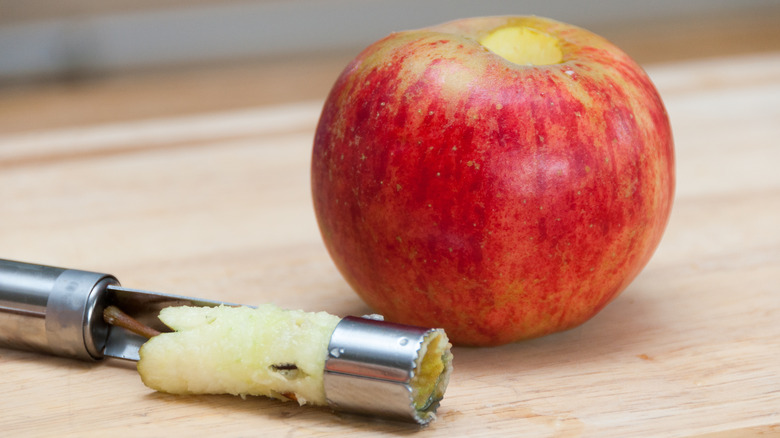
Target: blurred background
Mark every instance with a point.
(66, 62)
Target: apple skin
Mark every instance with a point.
(500, 202)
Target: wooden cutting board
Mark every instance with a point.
(218, 206)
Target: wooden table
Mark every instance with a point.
(217, 205)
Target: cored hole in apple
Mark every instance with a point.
(524, 46)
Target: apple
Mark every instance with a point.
(500, 177)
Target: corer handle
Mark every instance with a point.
(53, 310)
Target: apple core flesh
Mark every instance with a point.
(432, 372)
(457, 186)
(523, 46)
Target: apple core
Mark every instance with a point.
(432, 373)
(523, 46)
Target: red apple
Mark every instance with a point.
(502, 177)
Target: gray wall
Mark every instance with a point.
(112, 40)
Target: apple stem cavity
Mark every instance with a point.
(524, 46)
(115, 316)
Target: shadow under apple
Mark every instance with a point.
(619, 329)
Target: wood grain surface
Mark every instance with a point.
(217, 205)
